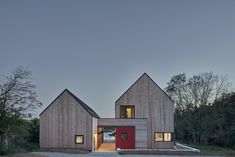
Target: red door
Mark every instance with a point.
(125, 137)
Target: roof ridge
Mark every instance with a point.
(84, 105)
(151, 80)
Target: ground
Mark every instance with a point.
(95, 154)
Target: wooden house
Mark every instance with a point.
(144, 119)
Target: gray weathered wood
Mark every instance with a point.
(139, 124)
(152, 103)
(61, 121)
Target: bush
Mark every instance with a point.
(6, 150)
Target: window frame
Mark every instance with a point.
(132, 111)
(170, 136)
(79, 142)
(158, 133)
(126, 135)
(163, 139)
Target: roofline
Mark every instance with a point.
(160, 88)
(84, 105)
(53, 101)
(75, 99)
(138, 80)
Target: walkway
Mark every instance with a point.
(107, 147)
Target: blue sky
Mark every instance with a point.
(98, 48)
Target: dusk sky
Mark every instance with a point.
(98, 49)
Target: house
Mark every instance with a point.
(144, 119)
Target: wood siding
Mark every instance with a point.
(139, 124)
(61, 121)
(94, 133)
(152, 103)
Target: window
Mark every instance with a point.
(160, 136)
(167, 137)
(127, 111)
(124, 135)
(79, 139)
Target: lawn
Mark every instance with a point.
(214, 150)
(24, 155)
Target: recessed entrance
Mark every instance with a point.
(106, 139)
(112, 138)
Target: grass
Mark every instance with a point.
(20, 148)
(24, 155)
(214, 150)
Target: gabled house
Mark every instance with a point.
(144, 119)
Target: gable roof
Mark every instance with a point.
(84, 105)
(145, 74)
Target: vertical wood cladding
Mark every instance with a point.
(67, 116)
(61, 121)
(152, 103)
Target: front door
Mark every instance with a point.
(125, 137)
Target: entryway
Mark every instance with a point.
(112, 138)
(106, 139)
(125, 137)
(107, 147)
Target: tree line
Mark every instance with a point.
(18, 100)
(204, 109)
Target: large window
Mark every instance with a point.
(163, 136)
(79, 139)
(127, 111)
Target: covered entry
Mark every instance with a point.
(129, 133)
(106, 139)
(119, 137)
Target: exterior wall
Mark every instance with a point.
(152, 103)
(137, 95)
(99, 137)
(161, 116)
(61, 121)
(94, 133)
(139, 124)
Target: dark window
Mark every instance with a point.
(124, 135)
(127, 111)
(79, 139)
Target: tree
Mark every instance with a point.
(17, 99)
(193, 99)
(33, 131)
(200, 89)
(224, 120)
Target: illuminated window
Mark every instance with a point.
(167, 136)
(79, 139)
(124, 135)
(127, 111)
(158, 137)
(163, 136)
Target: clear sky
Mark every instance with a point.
(98, 48)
